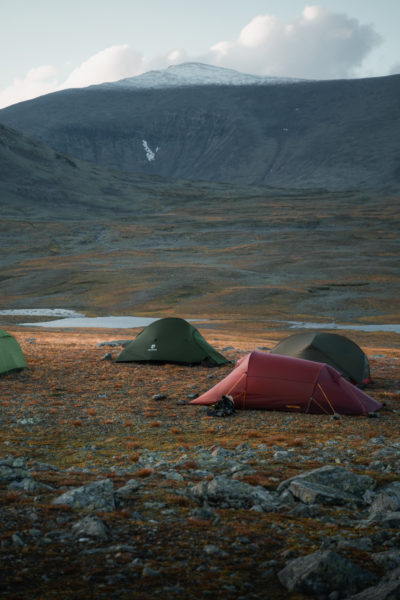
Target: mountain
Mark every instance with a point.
(199, 122)
(194, 74)
(101, 241)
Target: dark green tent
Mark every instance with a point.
(171, 340)
(11, 355)
(330, 348)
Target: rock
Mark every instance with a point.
(158, 397)
(386, 501)
(129, 489)
(388, 559)
(29, 485)
(13, 469)
(321, 573)
(149, 572)
(213, 550)
(107, 356)
(391, 520)
(204, 513)
(329, 485)
(387, 589)
(90, 526)
(364, 544)
(95, 496)
(114, 343)
(232, 493)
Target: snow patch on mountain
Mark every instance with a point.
(194, 74)
(150, 155)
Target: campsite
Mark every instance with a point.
(213, 409)
(166, 523)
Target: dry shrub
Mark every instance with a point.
(275, 439)
(58, 507)
(178, 500)
(10, 496)
(253, 433)
(57, 403)
(189, 464)
(91, 411)
(196, 522)
(134, 457)
(77, 423)
(212, 429)
(128, 424)
(155, 424)
(257, 479)
(53, 410)
(175, 430)
(297, 442)
(144, 473)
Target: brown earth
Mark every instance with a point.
(72, 409)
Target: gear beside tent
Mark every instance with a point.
(11, 355)
(171, 340)
(274, 382)
(330, 348)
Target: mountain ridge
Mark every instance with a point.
(333, 134)
(195, 74)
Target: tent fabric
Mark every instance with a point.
(336, 350)
(274, 382)
(171, 340)
(11, 355)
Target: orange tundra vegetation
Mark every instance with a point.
(76, 419)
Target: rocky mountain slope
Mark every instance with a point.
(241, 129)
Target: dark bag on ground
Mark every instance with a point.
(222, 408)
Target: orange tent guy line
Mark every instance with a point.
(327, 399)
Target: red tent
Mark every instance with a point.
(275, 382)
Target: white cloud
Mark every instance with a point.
(111, 64)
(395, 69)
(38, 81)
(258, 32)
(318, 44)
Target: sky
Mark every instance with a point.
(49, 45)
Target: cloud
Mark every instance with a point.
(38, 81)
(111, 64)
(318, 44)
(395, 69)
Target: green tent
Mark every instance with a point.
(11, 355)
(330, 348)
(171, 340)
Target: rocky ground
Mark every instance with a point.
(113, 486)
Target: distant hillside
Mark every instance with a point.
(332, 134)
(40, 182)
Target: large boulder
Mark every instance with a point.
(387, 589)
(387, 501)
(232, 493)
(98, 495)
(329, 485)
(321, 573)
